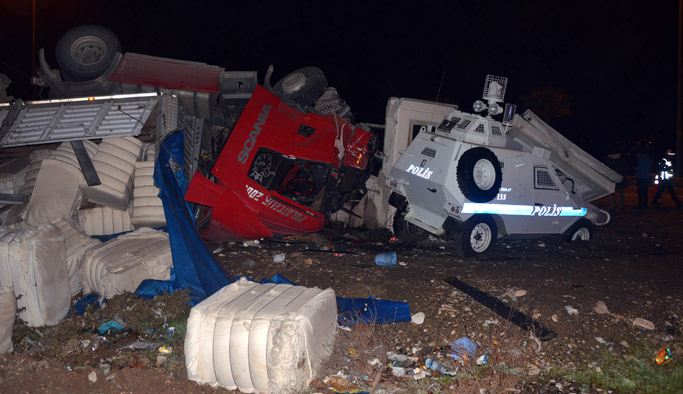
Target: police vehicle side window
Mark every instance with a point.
(543, 179)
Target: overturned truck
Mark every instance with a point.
(260, 160)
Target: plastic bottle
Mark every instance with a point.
(436, 366)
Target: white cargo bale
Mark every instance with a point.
(115, 164)
(104, 221)
(148, 210)
(76, 244)
(57, 189)
(8, 311)
(121, 264)
(33, 262)
(260, 338)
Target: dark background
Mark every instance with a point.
(608, 66)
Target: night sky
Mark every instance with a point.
(613, 62)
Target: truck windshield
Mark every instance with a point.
(302, 181)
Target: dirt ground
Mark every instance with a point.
(632, 265)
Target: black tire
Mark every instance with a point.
(86, 52)
(478, 235)
(408, 232)
(303, 86)
(479, 174)
(581, 231)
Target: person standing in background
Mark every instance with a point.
(643, 177)
(617, 162)
(663, 178)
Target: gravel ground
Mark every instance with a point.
(589, 295)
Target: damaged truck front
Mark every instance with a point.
(277, 159)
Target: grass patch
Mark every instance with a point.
(635, 372)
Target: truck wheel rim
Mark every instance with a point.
(484, 174)
(480, 237)
(294, 82)
(581, 234)
(88, 50)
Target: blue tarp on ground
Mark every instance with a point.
(369, 310)
(193, 264)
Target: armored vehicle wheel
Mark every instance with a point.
(85, 52)
(479, 174)
(303, 86)
(579, 231)
(408, 232)
(478, 235)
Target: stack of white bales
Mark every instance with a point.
(57, 189)
(33, 262)
(115, 165)
(122, 263)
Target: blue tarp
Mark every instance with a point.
(366, 310)
(193, 264)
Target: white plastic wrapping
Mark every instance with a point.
(260, 338)
(8, 311)
(76, 244)
(57, 189)
(148, 210)
(104, 221)
(115, 164)
(33, 262)
(121, 264)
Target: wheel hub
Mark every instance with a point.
(484, 174)
(88, 50)
(294, 82)
(581, 234)
(480, 238)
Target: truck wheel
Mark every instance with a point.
(478, 235)
(85, 52)
(579, 231)
(479, 174)
(408, 232)
(303, 86)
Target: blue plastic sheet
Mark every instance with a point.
(367, 310)
(193, 264)
(371, 311)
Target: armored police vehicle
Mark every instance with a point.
(486, 179)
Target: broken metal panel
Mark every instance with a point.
(592, 178)
(51, 121)
(193, 140)
(167, 120)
